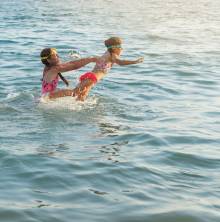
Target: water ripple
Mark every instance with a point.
(144, 146)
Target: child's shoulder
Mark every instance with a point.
(104, 57)
(114, 57)
(108, 57)
(50, 70)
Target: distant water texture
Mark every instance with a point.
(145, 146)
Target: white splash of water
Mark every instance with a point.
(12, 95)
(18, 95)
(74, 54)
(67, 103)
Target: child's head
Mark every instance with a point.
(113, 45)
(49, 56)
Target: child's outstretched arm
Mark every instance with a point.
(76, 64)
(126, 62)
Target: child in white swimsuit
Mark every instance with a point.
(103, 64)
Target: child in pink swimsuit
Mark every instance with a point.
(52, 72)
(103, 64)
(48, 87)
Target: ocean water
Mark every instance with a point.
(145, 146)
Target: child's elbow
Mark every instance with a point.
(119, 63)
(122, 64)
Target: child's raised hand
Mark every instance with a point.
(141, 59)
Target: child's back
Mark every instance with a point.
(103, 65)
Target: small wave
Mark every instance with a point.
(7, 41)
(189, 139)
(192, 160)
(206, 83)
(154, 37)
(212, 113)
(18, 96)
(5, 108)
(12, 95)
(183, 73)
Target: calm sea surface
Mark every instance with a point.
(145, 146)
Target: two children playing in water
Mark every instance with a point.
(54, 68)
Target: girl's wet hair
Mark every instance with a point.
(111, 42)
(45, 53)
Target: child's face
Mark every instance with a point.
(118, 51)
(54, 58)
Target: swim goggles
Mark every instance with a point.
(114, 47)
(52, 52)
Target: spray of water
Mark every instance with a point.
(67, 103)
(74, 54)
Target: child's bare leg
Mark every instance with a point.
(83, 89)
(62, 93)
(83, 94)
